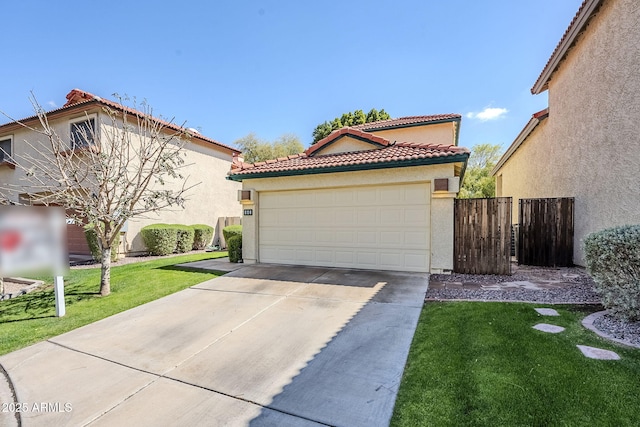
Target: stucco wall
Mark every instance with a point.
(214, 196)
(26, 145)
(205, 165)
(521, 177)
(441, 208)
(437, 133)
(343, 145)
(589, 147)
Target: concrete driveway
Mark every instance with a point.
(262, 345)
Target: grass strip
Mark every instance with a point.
(482, 364)
(31, 318)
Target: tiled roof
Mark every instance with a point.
(407, 121)
(586, 11)
(78, 99)
(392, 155)
(351, 131)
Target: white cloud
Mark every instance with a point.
(52, 104)
(489, 113)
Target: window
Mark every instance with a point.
(83, 132)
(5, 149)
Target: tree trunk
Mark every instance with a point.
(105, 272)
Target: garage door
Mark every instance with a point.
(377, 227)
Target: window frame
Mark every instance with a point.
(73, 145)
(3, 160)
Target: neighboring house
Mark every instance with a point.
(374, 196)
(586, 145)
(207, 161)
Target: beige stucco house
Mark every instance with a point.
(586, 145)
(206, 161)
(373, 196)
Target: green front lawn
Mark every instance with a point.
(481, 364)
(31, 318)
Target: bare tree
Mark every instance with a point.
(108, 170)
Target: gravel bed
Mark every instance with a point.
(620, 329)
(578, 288)
(572, 294)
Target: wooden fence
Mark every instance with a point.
(545, 235)
(482, 236)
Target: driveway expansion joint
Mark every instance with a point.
(169, 378)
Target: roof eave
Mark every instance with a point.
(456, 158)
(522, 136)
(569, 38)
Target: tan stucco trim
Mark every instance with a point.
(346, 144)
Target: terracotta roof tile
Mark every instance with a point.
(392, 153)
(409, 120)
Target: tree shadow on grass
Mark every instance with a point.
(25, 307)
(95, 294)
(193, 270)
(38, 305)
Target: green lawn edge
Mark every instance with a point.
(482, 364)
(31, 318)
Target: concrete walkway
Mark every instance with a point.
(262, 345)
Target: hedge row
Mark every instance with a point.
(613, 260)
(233, 236)
(165, 239)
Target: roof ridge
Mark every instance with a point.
(409, 120)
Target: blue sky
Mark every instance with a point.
(273, 67)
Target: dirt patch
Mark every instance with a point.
(14, 287)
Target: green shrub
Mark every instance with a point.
(185, 238)
(613, 260)
(202, 236)
(160, 239)
(230, 231)
(235, 248)
(94, 246)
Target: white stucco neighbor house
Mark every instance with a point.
(374, 196)
(586, 144)
(206, 161)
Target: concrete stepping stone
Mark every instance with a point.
(547, 311)
(545, 327)
(598, 353)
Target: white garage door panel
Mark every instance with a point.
(375, 227)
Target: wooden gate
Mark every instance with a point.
(545, 236)
(482, 236)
